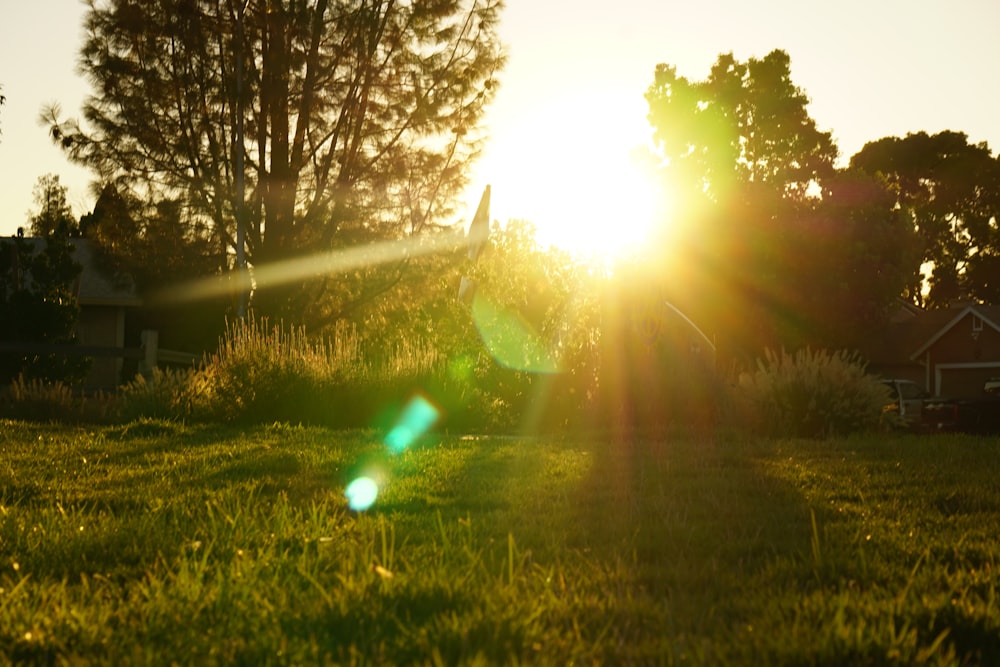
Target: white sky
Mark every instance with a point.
(571, 107)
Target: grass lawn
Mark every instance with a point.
(159, 543)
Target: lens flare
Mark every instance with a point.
(417, 418)
(511, 340)
(361, 493)
(308, 267)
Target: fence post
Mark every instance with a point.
(150, 342)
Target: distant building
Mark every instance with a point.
(950, 351)
(106, 303)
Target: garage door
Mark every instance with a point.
(965, 382)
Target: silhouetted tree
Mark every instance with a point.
(155, 250)
(359, 119)
(949, 191)
(38, 305)
(54, 214)
(853, 257)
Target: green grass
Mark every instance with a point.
(160, 543)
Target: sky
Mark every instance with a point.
(570, 114)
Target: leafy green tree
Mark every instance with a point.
(949, 190)
(535, 320)
(743, 158)
(742, 131)
(357, 121)
(520, 353)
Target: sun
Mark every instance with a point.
(599, 210)
(579, 170)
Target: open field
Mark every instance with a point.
(159, 543)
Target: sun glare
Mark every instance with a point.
(586, 184)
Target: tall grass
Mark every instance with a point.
(265, 373)
(42, 400)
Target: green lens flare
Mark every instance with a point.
(361, 493)
(417, 418)
(511, 340)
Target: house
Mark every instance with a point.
(950, 352)
(105, 304)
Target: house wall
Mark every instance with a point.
(963, 359)
(102, 326)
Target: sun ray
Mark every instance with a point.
(324, 263)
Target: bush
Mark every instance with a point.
(268, 374)
(264, 374)
(41, 400)
(168, 394)
(812, 394)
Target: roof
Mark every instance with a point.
(95, 286)
(907, 338)
(990, 315)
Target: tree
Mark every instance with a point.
(154, 250)
(855, 255)
(528, 333)
(743, 130)
(54, 214)
(37, 305)
(949, 191)
(114, 228)
(358, 120)
(744, 157)
(771, 245)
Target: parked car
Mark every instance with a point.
(907, 404)
(920, 411)
(980, 414)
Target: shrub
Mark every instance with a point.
(267, 374)
(812, 394)
(264, 373)
(41, 400)
(169, 394)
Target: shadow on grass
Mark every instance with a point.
(699, 523)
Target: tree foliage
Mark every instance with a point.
(358, 118)
(743, 130)
(743, 152)
(38, 305)
(949, 191)
(541, 303)
(770, 245)
(54, 215)
(856, 255)
(154, 249)
(38, 278)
